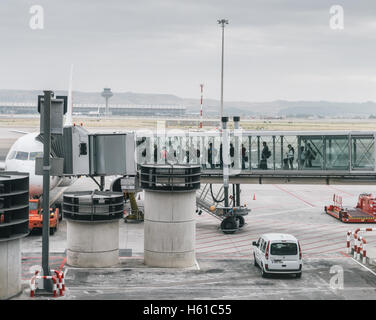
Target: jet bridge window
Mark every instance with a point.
(22, 155)
(83, 149)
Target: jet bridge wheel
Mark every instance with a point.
(229, 225)
(241, 221)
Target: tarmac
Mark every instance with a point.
(224, 268)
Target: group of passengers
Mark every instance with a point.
(307, 155)
(193, 155)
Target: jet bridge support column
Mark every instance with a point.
(170, 206)
(93, 228)
(14, 223)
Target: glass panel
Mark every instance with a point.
(255, 152)
(312, 156)
(265, 153)
(244, 152)
(216, 155)
(337, 153)
(141, 150)
(290, 152)
(362, 152)
(276, 153)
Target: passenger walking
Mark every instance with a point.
(310, 155)
(220, 156)
(301, 158)
(210, 155)
(265, 154)
(290, 156)
(286, 161)
(164, 154)
(244, 156)
(171, 155)
(232, 154)
(155, 153)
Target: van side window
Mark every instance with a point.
(264, 246)
(260, 243)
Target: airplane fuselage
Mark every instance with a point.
(21, 158)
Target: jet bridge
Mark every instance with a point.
(331, 157)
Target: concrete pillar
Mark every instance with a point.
(170, 229)
(169, 220)
(92, 244)
(93, 228)
(14, 223)
(10, 268)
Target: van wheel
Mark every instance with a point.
(254, 261)
(298, 275)
(241, 221)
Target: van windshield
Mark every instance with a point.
(284, 249)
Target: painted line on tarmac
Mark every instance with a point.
(364, 266)
(62, 264)
(294, 195)
(279, 212)
(349, 194)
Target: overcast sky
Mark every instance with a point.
(274, 49)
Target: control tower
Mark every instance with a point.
(107, 94)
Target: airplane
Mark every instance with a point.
(21, 156)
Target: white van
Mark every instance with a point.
(278, 253)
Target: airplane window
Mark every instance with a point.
(12, 155)
(34, 155)
(22, 155)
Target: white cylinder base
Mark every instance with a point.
(170, 229)
(92, 244)
(10, 268)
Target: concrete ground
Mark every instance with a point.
(225, 267)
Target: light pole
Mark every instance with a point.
(222, 22)
(202, 88)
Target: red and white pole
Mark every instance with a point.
(202, 89)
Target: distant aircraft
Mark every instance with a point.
(21, 156)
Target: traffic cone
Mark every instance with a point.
(254, 196)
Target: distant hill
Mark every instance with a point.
(211, 106)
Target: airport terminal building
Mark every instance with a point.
(97, 109)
